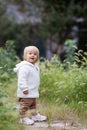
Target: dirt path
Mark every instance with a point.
(57, 125)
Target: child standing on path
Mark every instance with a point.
(28, 84)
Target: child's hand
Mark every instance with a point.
(26, 92)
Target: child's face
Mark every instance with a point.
(32, 55)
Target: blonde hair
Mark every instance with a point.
(27, 49)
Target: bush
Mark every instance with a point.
(8, 60)
(63, 83)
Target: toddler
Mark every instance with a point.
(28, 84)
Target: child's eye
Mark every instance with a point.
(35, 54)
(29, 53)
(32, 53)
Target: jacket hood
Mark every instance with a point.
(21, 64)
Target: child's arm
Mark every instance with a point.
(22, 79)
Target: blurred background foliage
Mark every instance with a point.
(25, 21)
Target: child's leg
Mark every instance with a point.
(25, 104)
(23, 107)
(34, 107)
(36, 116)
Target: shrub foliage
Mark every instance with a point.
(64, 83)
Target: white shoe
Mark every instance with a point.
(26, 121)
(39, 117)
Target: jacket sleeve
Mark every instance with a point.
(23, 78)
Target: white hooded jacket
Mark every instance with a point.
(28, 79)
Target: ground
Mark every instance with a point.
(56, 125)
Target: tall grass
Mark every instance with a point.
(63, 83)
(65, 87)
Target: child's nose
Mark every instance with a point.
(32, 54)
